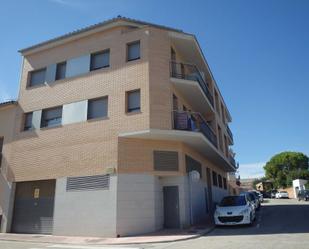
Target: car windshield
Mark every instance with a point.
(233, 201)
(283, 192)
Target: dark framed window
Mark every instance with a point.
(133, 101)
(214, 178)
(133, 51)
(60, 70)
(165, 160)
(28, 121)
(1, 148)
(224, 183)
(37, 77)
(51, 117)
(99, 60)
(97, 108)
(220, 181)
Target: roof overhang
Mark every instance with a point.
(194, 94)
(195, 140)
(99, 27)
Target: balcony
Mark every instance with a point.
(189, 81)
(194, 122)
(230, 133)
(232, 161)
(191, 129)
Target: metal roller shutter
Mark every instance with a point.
(34, 207)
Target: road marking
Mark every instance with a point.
(90, 247)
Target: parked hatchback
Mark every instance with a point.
(303, 195)
(282, 195)
(253, 199)
(234, 210)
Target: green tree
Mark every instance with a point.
(284, 167)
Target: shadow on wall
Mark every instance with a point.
(275, 219)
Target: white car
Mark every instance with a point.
(234, 210)
(282, 194)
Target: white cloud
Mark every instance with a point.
(251, 170)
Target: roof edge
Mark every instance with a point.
(93, 27)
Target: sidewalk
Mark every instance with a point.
(156, 237)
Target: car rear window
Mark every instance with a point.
(233, 201)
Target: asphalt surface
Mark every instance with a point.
(279, 224)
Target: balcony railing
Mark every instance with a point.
(193, 121)
(232, 161)
(190, 72)
(229, 132)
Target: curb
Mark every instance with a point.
(116, 244)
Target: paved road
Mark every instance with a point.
(280, 224)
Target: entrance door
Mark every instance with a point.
(171, 207)
(34, 207)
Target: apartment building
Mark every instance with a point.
(120, 129)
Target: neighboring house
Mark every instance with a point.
(247, 184)
(234, 183)
(264, 186)
(7, 122)
(110, 121)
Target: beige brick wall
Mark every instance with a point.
(89, 147)
(136, 156)
(92, 147)
(7, 121)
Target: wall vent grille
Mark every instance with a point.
(85, 183)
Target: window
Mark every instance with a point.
(28, 121)
(220, 181)
(51, 117)
(60, 70)
(99, 60)
(133, 51)
(224, 183)
(97, 108)
(37, 77)
(214, 179)
(165, 160)
(134, 101)
(1, 147)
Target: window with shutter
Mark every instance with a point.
(28, 121)
(60, 71)
(51, 117)
(99, 60)
(97, 108)
(165, 160)
(37, 77)
(133, 51)
(134, 101)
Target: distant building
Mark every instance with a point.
(247, 184)
(264, 185)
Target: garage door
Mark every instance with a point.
(34, 207)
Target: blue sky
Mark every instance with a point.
(258, 52)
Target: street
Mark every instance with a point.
(279, 224)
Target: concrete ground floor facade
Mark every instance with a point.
(151, 188)
(131, 204)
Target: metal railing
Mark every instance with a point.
(190, 72)
(232, 161)
(193, 121)
(229, 132)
